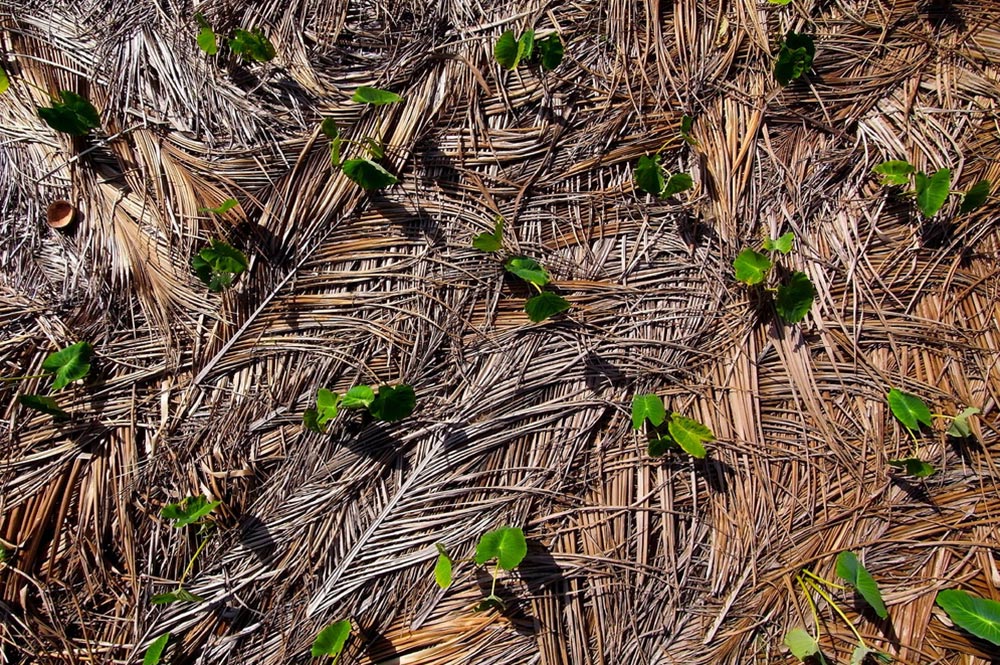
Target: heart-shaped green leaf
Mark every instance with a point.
(526, 46)
(325, 411)
(176, 596)
(959, 428)
(218, 264)
(4, 81)
(44, 404)
(914, 466)
(932, 192)
(331, 640)
(358, 397)
(550, 51)
(850, 570)
(393, 403)
(374, 96)
(975, 197)
(795, 298)
(368, 174)
(781, 244)
(155, 650)
(751, 267)
(677, 183)
(206, 40)
(527, 269)
(979, 616)
(689, 434)
(544, 305)
(72, 114)
(506, 544)
(69, 364)
(222, 208)
(648, 174)
(442, 569)
(908, 409)
(189, 510)
(894, 172)
(506, 50)
(490, 242)
(802, 644)
(648, 407)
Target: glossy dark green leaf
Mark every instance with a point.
(506, 544)
(795, 297)
(176, 596)
(979, 616)
(648, 174)
(932, 191)
(689, 434)
(648, 407)
(490, 242)
(506, 50)
(72, 114)
(443, 567)
(358, 397)
(375, 96)
(908, 409)
(393, 403)
(189, 510)
(155, 650)
(222, 208)
(975, 197)
(781, 244)
(44, 404)
(851, 571)
(960, 428)
(527, 269)
(252, 45)
(550, 52)
(331, 640)
(69, 364)
(677, 183)
(370, 175)
(894, 172)
(544, 305)
(914, 466)
(795, 57)
(751, 267)
(218, 264)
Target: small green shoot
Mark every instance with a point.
(189, 510)
(648, 407)
(71, 115)
(443, 567)
(178, 595)
(490, 242)
(689, 434)
(979, 616)
(69, 364)
(850, 570)
(222, 208)
(44, 404)
(975, 197)
(894, 172)
(803, 645)
(751, 267)
(650, 177)
(393, 403)
(676, 183)
(155, 650)
(545, 305)
(914, 466)
(375, 96)
(368, 174)
(252, 45)
(687, 124)
(506, 544)
(795, 57)
(358, 397)
(959, 428)
(509, 52)
(932, 191)
(782, 244)
(527, 269)
(550, 52)
(795, 297)
(206, 36)
(325, 411)
(331, 640)
(218, 264)
(4, 81)
(908, 409)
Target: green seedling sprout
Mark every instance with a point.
(506, 545)
(978, 616)
(365, 171)
(913, 414)
(218, 265)
(390, 404)
(930, 192)
(331, 640)
(795, 57)
(206, 36)
(190, 510)
(155, 650)
(252, 45)
(650, 177)
(222, 208)
(509, 51)
(687, 124)
(683, 432)
(793, 297)
(65, 366)
(71, 114)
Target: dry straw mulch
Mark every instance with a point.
(633, 560)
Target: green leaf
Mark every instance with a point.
(375, 96)
(176, 596)
(781, 244)
(908, 409)
(393, 403)
(442, 570)
(4, 81)
(506, 544)
(751, 267)
(188, 510)
(490, 242)
(218, 264)
(687, 124)
(207, 42)
(801, 644)
(72, 115)
(368, 174)
(860, 653)
(974, 198)
(373, 147)
(69, 364)
(310, 418)
(155, 650)
(689, 434)
(507, 50)
(252, 45)
(658, 446)
(358, 397)
(960, 424)
(331, 640)
(490, 602)
(850, 570)
(325, 411)
(222, 208)
(544, 305)
(914, 466)
(979, 616)
(795, 298)
(795, 57)
(894, 172)
(932, 192)
(329, 127)
(779, 2)
(44, 404)
(550, 52)
(677, 183)
(648, 174)
(527, 269)
(525, 45)
(647, 407)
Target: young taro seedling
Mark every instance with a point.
(804, 645)
(331, 640)
(65, 366)
(912, 412)
(71, 114)
(651, 178)
(392, 403)
(190, 510)
(365, 171)
(206, 39)
(510, 52)
(979, 616)
(686, 433)
(794, 296)
(218, 264)
(930, 191)
(795, 57)
(506, 545)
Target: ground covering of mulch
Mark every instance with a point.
(631, 559)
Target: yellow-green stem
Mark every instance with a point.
(822, 579)
(191, 562)
(812, 605)
(836, 608)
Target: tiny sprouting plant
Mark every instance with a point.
(795, 57)
(506, 545)
(490, 241)
(805, 645)
(930, 191)
(913, 413)
(365, 171)
(206, 39)
(510, 51)
(978, 616)
(390, 404)
(252, 45)
(331, 640)
(794, 295)
(222, 208)
(651, 178)
(155, 650)
(66, 366)
(71, 114)
(683, 432)
(687, 125)
(218, 265)
(190, 510)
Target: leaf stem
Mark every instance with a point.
(836, 608)
(812, 605)
(190, 565)
(19, 378)
(823, 579)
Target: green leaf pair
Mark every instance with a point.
(71, 114)
(794, 298)
(331, 640)
(66, 366)
(391, 404)
(931, 191)
(651, 178)
(252, 45)
(507, 545)
(222, 208)
(509, 51)
(179, 595)
(544, 304)
(218, 264)
(795, 57)
(189, 510)
(687, 433)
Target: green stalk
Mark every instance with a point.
(836, 608)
